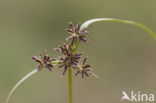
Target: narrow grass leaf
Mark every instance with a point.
(87, 23)
(20, 82)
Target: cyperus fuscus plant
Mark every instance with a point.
(69, 59)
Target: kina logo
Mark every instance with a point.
(137, 97)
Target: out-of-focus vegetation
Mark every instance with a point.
(122, 55)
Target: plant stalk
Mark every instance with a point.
(70, 85)
(74, 48)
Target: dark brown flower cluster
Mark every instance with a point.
(44, 61)
(77, 33)
(84, 69)
(69, 58)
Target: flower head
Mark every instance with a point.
(77, 33)
(84, 69)
(44, 61)
(67, 58)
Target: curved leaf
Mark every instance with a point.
(87, 23)
(19, 82)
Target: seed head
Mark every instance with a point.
(77, 33)
(67, 58)
(84, 69)
(44, 61)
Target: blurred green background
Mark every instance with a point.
(124, 56)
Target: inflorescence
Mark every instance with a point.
(69, 58)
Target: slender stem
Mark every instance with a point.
(74, 48)
(70, 85)
(74, 44)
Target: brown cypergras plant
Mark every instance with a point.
(69, 58)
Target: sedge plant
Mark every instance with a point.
(70, 59)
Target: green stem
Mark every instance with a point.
(70, 85)
(74, 48)
(75, 41)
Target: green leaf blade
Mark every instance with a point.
(20, 82)
(87, 23)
